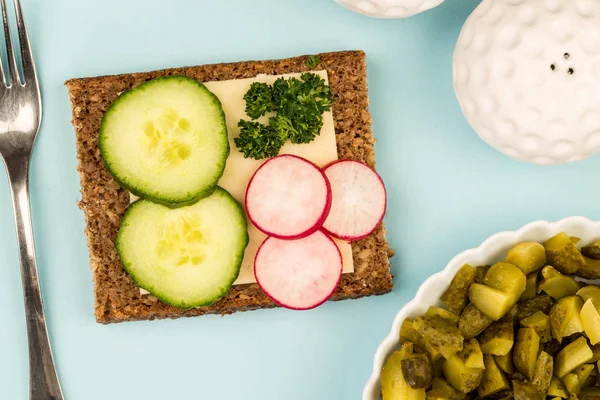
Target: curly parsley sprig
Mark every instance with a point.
(298, 104)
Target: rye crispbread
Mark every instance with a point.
(117, 298)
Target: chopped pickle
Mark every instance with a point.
(556, 284)
(506, 278)
(492, 302)
(591, 321)
(506, 362)
(575, 239)
(530, 287)
(562, 253)
(589, 393)
(409, 334)
(596, 352)
(472, 322)
(448, 315)
(574, 381)
(556, 389)
(541, 323)
(471, 354)
(592, 250)
(498, 339)
(526, 351)
(529, 256)
(565, 318)
(417, 371)
(527, 328)
(590, 292)
(542, 374)
(393, 384)
(440, 389)
(590, 269)
(457, 294)
(526, 391)
(480, 273)
(542, 303)
(572, 356)
(439, 335)
(461, 378)
(493, 380)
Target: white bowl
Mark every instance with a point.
(491, 250)
(389, 8)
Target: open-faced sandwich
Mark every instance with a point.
(230, 187)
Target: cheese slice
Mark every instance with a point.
(239, 170)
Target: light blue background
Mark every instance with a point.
(448, 191)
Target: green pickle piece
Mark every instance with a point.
(506, 362)
(572, 356)
(492, 302)
(442, 390)
(417, 370)
(447, 315)
(591, 321)
(506, 278)
(590, 292)
(556, 389)
(471, 354)
(493, 380)
(592, 250)
(472, 322)
(556, 284)
(528, 256)
(457, 294)
(565, 317)
(541, 323)
(562, 254)
(526, 391)
(498, 339)
(480, 273)
(530, 287)
(590, 269)
(439, 335)
(574, 381)
(541, 302)
(543, 372)
(526, 351)
(393, 384)
(461, 377)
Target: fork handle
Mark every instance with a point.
(43, 380)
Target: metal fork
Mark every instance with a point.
(20, 117)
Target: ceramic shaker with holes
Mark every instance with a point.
(527, 77)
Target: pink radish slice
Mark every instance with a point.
(288, 197)
(299, 274)
(359, 200)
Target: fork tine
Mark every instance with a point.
(26, 53)
(12, 63)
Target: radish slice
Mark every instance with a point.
(299, 274)
(288, 197)
(359, 200)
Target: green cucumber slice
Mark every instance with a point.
(187, 256)
(166, 140)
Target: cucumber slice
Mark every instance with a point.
(187, 256)
(166, 140)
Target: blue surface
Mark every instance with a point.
(448, 191)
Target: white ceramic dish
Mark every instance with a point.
(490, 251)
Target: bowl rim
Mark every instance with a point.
(494, 243)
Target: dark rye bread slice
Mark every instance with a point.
(117, 298)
